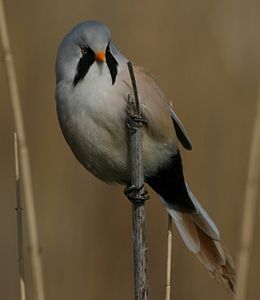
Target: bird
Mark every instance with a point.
(92, 92)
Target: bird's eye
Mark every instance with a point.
(84, 50)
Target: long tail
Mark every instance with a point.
(202, 237)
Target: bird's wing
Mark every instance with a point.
(159, 113)
(180, 130)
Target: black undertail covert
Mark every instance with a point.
(169, 183)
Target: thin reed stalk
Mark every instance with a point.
(35, 258)
(19, 220)
(169, 260)
(249, 211)
(137, 193)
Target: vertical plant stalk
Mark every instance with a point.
(19, 221)
(35, 258)
(249, 212)
(137, 181)
(169, 260)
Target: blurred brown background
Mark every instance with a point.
(205, 55)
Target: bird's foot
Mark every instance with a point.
(139, 119)
(137, 195)
(135, 121)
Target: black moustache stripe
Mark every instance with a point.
(112, 64)
(88, 59)
(83, 66)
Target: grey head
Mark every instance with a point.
(87, 43)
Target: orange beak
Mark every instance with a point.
(100, 56)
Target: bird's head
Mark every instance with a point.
(86, 44)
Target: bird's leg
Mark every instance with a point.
(134, 121)
(136, 195)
